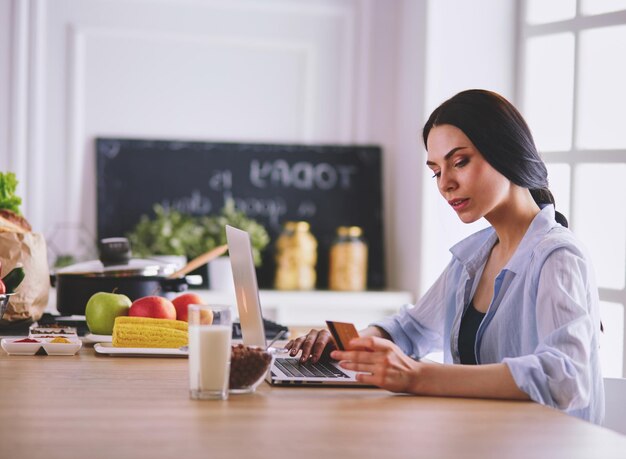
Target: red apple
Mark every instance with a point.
(156, 307)
(181, 303)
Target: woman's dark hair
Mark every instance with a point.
(500, 133)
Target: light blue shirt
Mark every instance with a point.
(543, 321)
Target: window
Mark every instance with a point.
(572, 92)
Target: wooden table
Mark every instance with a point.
(90, 406)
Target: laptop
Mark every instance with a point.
(285, 370)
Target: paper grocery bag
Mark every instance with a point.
(31, 296)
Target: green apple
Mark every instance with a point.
(102, 309)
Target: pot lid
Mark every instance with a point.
(134, 267)
(115, 261)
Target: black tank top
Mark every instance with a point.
(467, 334)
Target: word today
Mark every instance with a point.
(302, 175)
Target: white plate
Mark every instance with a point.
(107, 348)
(12, 348)
(37, 332)
(90, 338)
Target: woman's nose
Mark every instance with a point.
(446, 182)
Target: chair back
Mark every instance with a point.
(615, 411)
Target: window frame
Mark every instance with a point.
(573, 157)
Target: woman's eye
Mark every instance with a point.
(437, 175)
(461, 162)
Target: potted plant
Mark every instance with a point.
(171, 232)
(168, 232)
(214, 234)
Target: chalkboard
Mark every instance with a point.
(326, 185)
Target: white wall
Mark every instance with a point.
(340, 71)
(404, 224)
(5, 47)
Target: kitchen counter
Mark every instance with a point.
(313, 308)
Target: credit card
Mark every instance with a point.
(342, 333)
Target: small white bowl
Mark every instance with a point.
(70, 348)
(12, 347)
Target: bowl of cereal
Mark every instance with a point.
(248, 367)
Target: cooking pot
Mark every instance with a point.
(115, 272)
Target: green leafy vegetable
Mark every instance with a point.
(170, 232)
(8, 199)
(215, 233)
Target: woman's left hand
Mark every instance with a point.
(382, 362)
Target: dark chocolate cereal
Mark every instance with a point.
(247, 365)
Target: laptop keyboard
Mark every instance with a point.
(293, 367)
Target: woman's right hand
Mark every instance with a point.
(313, 345)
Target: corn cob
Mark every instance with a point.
(147, 332)
(165, 323)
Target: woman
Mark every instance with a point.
(517, 307)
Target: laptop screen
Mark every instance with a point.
(246, 287)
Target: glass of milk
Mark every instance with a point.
(210, 331)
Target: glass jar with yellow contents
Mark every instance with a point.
(296, 257)
(348, 260)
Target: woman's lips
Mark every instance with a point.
(459, 204)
